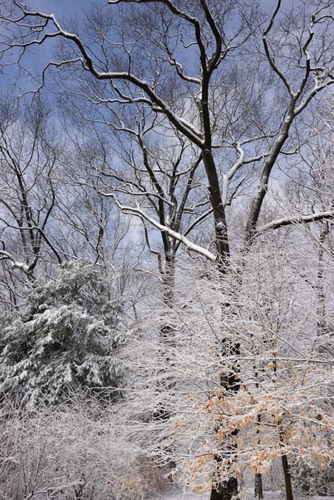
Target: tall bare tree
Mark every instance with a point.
(28, 158)
(230, 78)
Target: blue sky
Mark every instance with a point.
(63, 10)
(37, 58)
(59, 7)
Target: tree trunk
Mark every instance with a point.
(162, 411)
(287, 477)
(226, 490)
(230, 381)
(321, 306)
(258, 489)
(258, 486)
(221, 236)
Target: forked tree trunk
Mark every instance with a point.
(221, 490)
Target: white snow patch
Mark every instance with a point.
(268, 495)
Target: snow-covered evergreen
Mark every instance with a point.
(67, 339)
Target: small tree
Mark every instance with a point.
(67, 339)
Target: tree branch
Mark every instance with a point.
(178, 236)
(288, 221)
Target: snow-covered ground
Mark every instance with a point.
(176, 495)
(268, 495)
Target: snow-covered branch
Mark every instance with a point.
(4, 255)
(303, 219)
(178, 236)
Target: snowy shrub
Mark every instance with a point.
(72, 452)
(68, 339)
(311, 481)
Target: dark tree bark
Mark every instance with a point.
(258, 489)
(287, 477)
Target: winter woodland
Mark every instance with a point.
(166, 249)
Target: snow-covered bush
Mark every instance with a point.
(71, 452)
(310, 481)
(69, 338)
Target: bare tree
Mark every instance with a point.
(27, 193)
(283, 411)
(186, 63)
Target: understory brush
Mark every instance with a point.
(69, 452)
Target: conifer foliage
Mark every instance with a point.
(67, 339)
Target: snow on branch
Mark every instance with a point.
(303, 219)
(154, 100)
(4, 255)
(165, 229)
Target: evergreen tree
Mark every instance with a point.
(68, 339)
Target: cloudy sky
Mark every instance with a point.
(59, 7)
